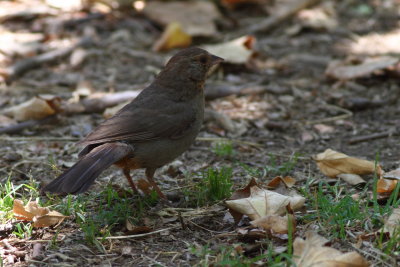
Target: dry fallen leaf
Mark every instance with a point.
(322, 17)
(237, 51)
(375, 43)
(173, 37)
(241, 193)
(263, 202)
(40, 216)
(251, 235)
(353, 179)
(324, 129)
(135, 229)
(392, 224)
(395, 174)
(18, 43)
(333, 163)
(386, 186)
(275, 223)
(196, 17)
(339, 70)
(77, 57)
(287, 181)
(36, 108)
(312, 253)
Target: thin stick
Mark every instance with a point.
(138, 235)
(24, 65)
(203, 228)
(374, 136)
(17, 241)
(18, 127)
(347, 114)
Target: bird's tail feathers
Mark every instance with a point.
(82, 174)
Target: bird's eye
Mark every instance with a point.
(203, 59)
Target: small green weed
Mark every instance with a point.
(53, 244)
(334, 213)
(214, 185)
(392, 245)
(23, 230)
(9, 192)
(7, 195)
(336, 210)
(273, 168)
(109, 213)
(224, 149)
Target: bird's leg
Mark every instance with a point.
(149, 176)
(130, 181)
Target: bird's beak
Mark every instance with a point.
(215, 60)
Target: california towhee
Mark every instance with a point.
(152, 130)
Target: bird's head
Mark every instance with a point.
(192, 63)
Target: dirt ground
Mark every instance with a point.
(296, 110)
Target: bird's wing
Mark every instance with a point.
(140, 123)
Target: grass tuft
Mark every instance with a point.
(213, 185)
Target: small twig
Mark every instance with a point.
(179, 188)
(17, 241)
(174, 257)
(16, 128)
(203, 228)
(13, 250)
(99, 102)
(290, 156)
(138, 235)
(40, 263)
(24, 65)
(8, 245)
(374, 136)
(347, 114)
(181, 221)
(154, 261)
(87, 18)
(364, 252)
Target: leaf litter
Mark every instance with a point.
(40, 216)
(129, 66)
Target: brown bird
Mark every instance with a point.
(152, 130)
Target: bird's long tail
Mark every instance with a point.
(82, 174)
